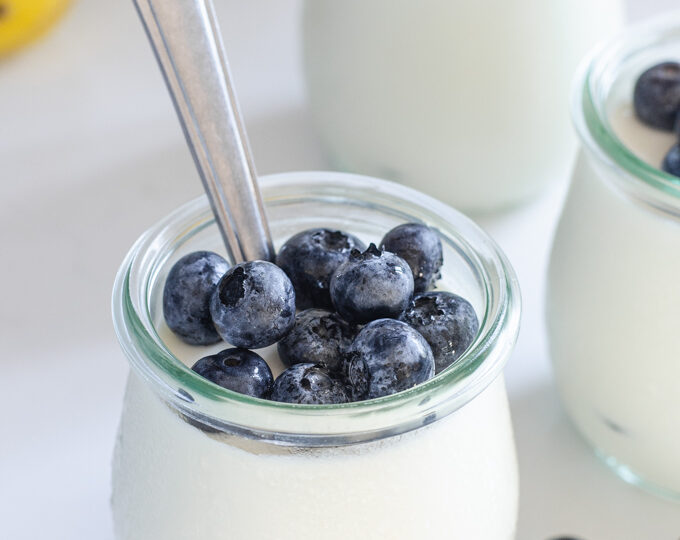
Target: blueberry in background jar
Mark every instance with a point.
(656, 97)
(671, 163)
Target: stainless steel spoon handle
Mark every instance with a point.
(186, 39)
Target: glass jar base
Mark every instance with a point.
(625, 473)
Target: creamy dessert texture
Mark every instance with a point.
(613, 310)
(440, 484)
(454, 479)
(612, 315)
(194, 462)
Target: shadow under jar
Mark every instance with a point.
(197, 461)
(613, 307)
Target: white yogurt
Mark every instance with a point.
(442, 481)
(614, 301)
(455, 479)
(648, 144)
(436, 462)
(466, 101)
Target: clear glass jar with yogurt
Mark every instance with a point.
(466, 101)
(613, 306)
(196, 461)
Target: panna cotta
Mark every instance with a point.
(612, 307)
(195, 461)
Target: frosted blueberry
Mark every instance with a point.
(372, 285)
(318, 337)
(309, 259)
(253, 305)
(239, 370)
(308, 384)
(420, 246)
(386, 357)
(446, 321)
(186, 296)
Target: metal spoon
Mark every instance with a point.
(186, 39)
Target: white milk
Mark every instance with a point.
(614, 315)
(465, 100)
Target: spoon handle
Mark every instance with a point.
(186, 39)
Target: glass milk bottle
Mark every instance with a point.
(463, 100)
(195, 461)
(614, 294)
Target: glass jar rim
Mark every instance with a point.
(318, 425)
(590, 92)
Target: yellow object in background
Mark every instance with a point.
(22, 21)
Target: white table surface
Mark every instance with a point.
(91, 154)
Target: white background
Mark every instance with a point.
(90, 155)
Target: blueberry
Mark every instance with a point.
(420, 246)
(186, 296)
(310, 384)
(656, 97)
(310, 258)
(386, 357)
(372, 285)
(239, 370)
(318, 337)
(446, 321)
(671, 163)
(253, 305)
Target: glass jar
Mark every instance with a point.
(196, 461)
(466, 101)
(613, 307)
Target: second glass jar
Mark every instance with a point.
(464, 100)
(613, 309)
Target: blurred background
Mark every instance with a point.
(91, 154)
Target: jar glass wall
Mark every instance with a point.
(612, 306)
(194, 460)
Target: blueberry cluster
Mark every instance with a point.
(350, 322)
(656, 99)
